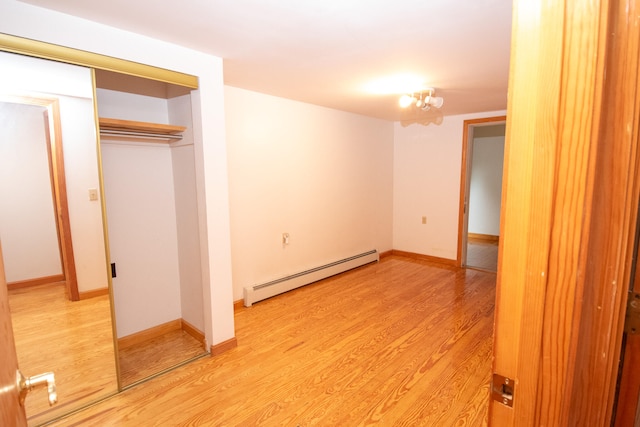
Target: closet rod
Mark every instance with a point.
(142, 135)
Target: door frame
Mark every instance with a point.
(465, 180)
(55, 153)
(570, 203)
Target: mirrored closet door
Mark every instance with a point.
(52, 233)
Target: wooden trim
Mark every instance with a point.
(193, 331)
(569, 209)
(422, 257)
(36, 282)
(158, 331)
(148, 334)
(608, 259)
(62, 205)
(482, 238)
(135, 126)
(94, 293)
(238, 304)
(385, 254)
(224, 346)
(68, 55)
(464, 167)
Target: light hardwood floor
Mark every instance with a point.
(152, 356)
(399, 342)
(482, 255)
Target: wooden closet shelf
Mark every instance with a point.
(145, 127)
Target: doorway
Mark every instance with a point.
(480, 193)
(35, 214)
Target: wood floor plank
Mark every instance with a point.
(144, 359)
(482, 255)
(399, 342)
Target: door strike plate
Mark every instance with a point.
(632, 318)
(502, 390)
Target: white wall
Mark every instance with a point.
(150, 189)
(208, 110)
(28, 228)
(185, 187)
(321, 175)
(485, 186)
(138, 184)
(72, 87)
(426, 182)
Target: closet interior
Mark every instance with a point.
(148, 169)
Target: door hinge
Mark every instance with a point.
(632, 318)
(503, 390)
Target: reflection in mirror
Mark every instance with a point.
(73, 339)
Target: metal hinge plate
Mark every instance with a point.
(503, 390)
(632, 319)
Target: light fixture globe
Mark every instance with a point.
(436, 101)
(406, 100)
(424, 101)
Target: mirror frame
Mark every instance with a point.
(83, 58)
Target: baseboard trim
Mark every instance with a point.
(159, 330)
(149, 334)
(193, 331)
(482, 238)
(385, 254)
(429, 258)
(36, 282)
(224, 346)
(239, 304)
(94, 293)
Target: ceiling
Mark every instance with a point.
(351, 55)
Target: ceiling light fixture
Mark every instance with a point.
(423, 100)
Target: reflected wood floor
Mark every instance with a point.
(149, 357)
(400, 342)
(72, 339)
(482, 255)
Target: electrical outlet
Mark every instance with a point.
(424, 219)
(93, 194)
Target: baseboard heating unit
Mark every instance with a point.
(275, 287)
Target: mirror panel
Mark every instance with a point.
(74, 339)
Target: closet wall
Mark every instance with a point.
(152, 213)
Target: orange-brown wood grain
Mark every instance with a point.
(570, 199)
(130, 125)
(613, 222)
(527, 202)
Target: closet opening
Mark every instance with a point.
(148, 170)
